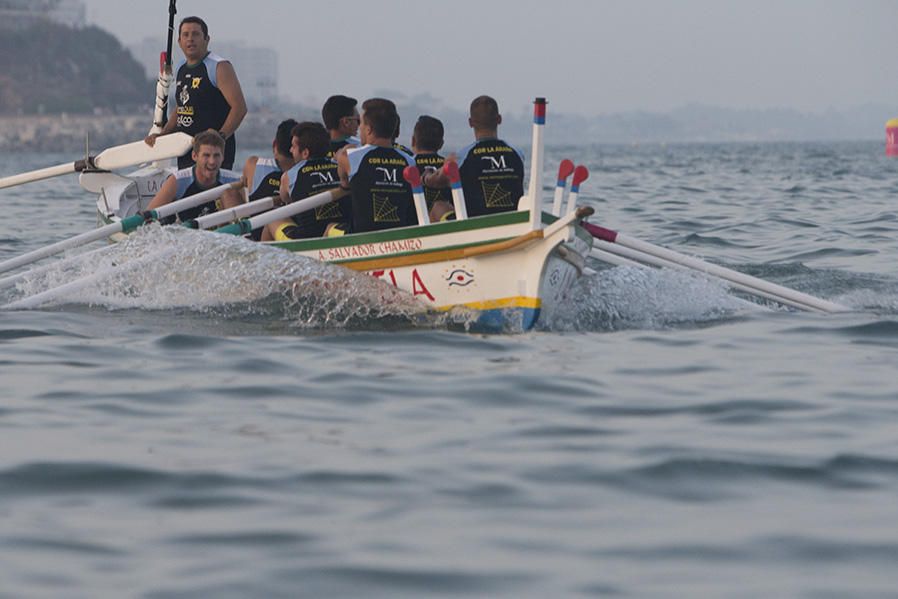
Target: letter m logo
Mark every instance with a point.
(325, 177)
(495, 162)
(390, 174)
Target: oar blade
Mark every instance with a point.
(166, 146)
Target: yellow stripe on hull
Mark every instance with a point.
(533, 303)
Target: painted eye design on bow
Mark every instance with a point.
(460, 278)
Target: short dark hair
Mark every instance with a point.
(284, 136)
(209, 137)
(380, 114)
(313, 137)
(196, 20)
(335, 108)
(429, 133)
(485, 112)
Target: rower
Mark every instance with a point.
(208, 152)
(263, 175)
(492, 171)
(207, 91)
(313, 173)
(341, 118)
(396, 144)
(427, 140)
(381, 197)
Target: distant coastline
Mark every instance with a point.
(700, 124)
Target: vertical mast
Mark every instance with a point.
(534, 193)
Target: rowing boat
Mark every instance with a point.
(503, 271)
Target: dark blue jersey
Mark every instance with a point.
(336, 144)
(188, 186)
(431, 161)
(201, 105)
(492, 176)
(311, 177)
(381, 197)
(266, 179)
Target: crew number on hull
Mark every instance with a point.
(417, 283)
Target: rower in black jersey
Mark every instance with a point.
(313, 173)
(427, 139)
(381, 197)
(207, 92)
(263, 175)
(492, 171)
(342, 122)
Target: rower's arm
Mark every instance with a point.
(166, 193)
(284, 190)
(229, 86)
(342, 167)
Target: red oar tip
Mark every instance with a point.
(412, 175)
(580, 175)
(451, 170)
(565, 169)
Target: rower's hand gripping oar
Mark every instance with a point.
(248, 225)
(565, 170)
(126, 225)
(659, 255)
(413, 176)
(167, 146)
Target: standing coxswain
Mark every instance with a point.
(207, 92)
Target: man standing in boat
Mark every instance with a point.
(341, 119)
(492, 171)
(381, 197)
(206, 173)
(207, 92)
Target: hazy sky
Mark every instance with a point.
(586, 56)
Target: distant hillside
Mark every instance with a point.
(50, 68)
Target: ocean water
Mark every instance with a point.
(224, 420)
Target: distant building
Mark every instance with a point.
(17, 14)
(256, 67)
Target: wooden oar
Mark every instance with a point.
(234, 214)
(125, 225)
(565, 170)
(66, 289)
(167, 146)
(14, 279)
(246, 226)
(580, 175)
(413, 176)
(747, 283)
(458, 194)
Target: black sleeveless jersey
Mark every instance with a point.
(431, 161)
(311, 177)
(201, 105)
(492, 177)
(381, 197)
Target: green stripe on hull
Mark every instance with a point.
(471, 224)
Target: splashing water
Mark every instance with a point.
(173, 268)
(178, 269)
(626, 297)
